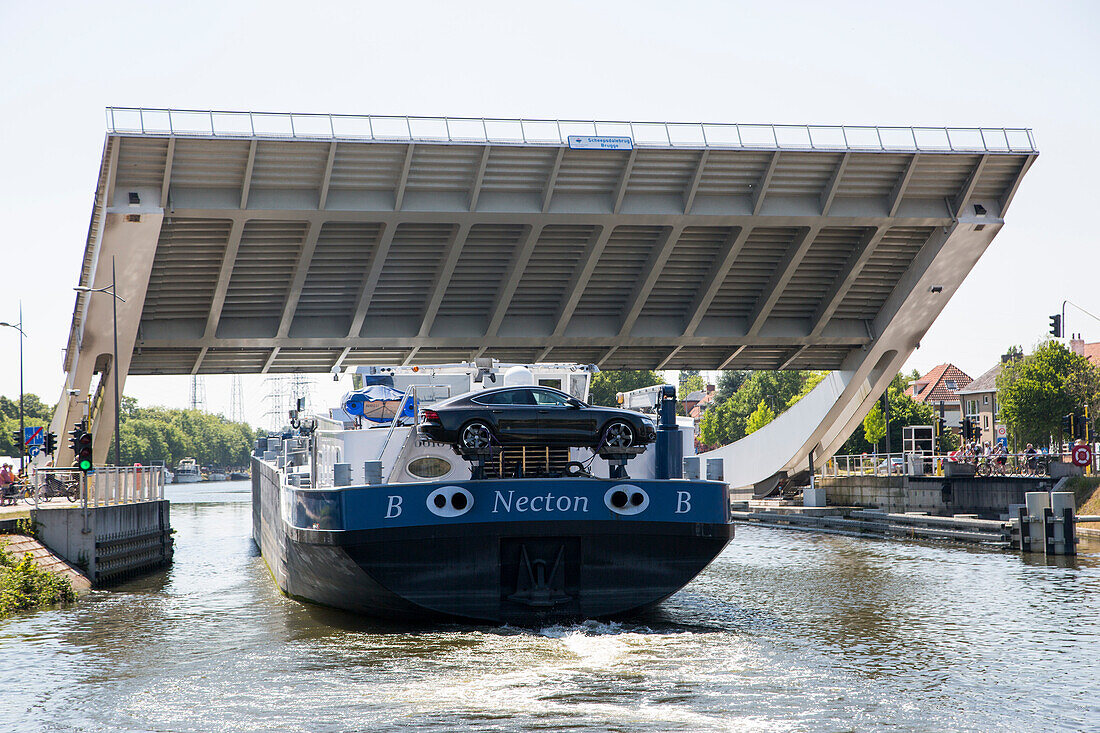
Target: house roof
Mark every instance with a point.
(1092, 353)
(934, 385)
(985, 383)
(695, 396)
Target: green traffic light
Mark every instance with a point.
(85, 464)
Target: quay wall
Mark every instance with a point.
(109, 543)
(988, 498)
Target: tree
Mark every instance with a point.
(759, 418)
(904, 411)
(729, 382)
(150, 434)
(605, 385)
(690, 381)
(727, 420)
(1036, 391)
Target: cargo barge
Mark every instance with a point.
(480, 542)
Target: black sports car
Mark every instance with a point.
(532, 416)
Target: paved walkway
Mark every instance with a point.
(20, 545)
(21, 509)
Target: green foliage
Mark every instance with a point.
(690, 381)
(606, 384)
(904, 411)
(728, 419)
(759, 418)
(874, 425)
(150, 434)
(23, 585)
(1036, 391)
(729, 382)
(35, 414)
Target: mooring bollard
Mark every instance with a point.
(372, 472)
(1063, 539)
(1047, 523)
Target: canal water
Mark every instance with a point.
(784, 632)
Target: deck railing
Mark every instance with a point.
(502, 131)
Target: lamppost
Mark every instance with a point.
(114, 358)
(22, 335)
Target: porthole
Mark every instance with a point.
(626, 499)
(429, 467)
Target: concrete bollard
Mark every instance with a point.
(372, 472)
(341, 474)
(716, 469)
(814, 497)
(691, 467)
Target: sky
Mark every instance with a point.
(995, 64)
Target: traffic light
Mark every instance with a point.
(50, 443)
(941, 426)
(968, 429)
(1080, 426)
(1056, 325)
(80, 441)
(1069, 425)
(17, 439)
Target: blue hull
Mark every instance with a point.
(527, 551)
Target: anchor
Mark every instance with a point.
(535, 586)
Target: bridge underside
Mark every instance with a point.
(251, 254)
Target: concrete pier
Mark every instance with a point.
(119, 528)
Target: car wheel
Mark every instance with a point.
(618, 435)
(476, 435)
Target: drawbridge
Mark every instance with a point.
(275, 243)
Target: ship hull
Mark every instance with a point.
(526, 571)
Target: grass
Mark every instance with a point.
(1086, 493)
(24, 586)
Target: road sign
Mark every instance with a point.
(32, 450)
(1002, 432)
(34, 436)
(1082, 455)
(587, 142)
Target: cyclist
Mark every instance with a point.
(1031, 455)
(1000, 454)
(7, 478)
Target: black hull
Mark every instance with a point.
(523, 573)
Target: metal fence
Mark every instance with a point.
(106, 486)
(887, 464)
(502, 131)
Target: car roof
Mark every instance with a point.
(495, 390)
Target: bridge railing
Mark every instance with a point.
(520, 131)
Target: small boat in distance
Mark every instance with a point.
(187, 472)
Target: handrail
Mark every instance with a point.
(505, 131)
(872, 464)
(411, 393)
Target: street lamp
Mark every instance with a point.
(22, 335)
(114, 359)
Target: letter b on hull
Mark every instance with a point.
(393, 509)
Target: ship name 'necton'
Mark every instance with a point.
(548, 503)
